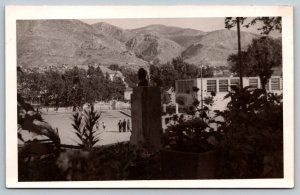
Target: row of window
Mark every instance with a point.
(186, 86)
(224, 86)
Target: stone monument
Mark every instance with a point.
(146, 113)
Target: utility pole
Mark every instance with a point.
(239, 51)
(201, 89)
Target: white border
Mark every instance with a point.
(13, 13)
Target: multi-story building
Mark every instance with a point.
(186, 89)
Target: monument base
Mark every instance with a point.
(146, 117)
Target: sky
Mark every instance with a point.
(203, 24)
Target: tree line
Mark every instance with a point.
(74, 87)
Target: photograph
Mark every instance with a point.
(127, 100)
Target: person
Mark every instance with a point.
(97, 125)
(124, 125)
(128, 125)
(103, 126)
(120, 126)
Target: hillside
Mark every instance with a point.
(113, 31)
(183, 36)
(153, 48)
(68, 43)
(216, 46)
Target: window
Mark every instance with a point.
(234, 82)
(185, 86)
(275, 83)
(223, 85)
(211, 85)
(253, 83)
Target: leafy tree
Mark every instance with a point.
(262, 55)
(117, 89)
(155, 76)
(55, 87)
(169, 75)
(131, 77)
(269, 24)
(253, 132)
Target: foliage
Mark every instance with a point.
(130, 76)
(191, 136)
(120, 161)
(268, 23)
(164, 75)
(85, 128)
(74, 87)
(262, 55)
(36, 157)
(180, 100)
(253, 128)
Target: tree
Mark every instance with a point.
(168, 75)
(262, 55)
(155, 76)
(269, 24)
(117, 89)
(131, 77)
(54, 88)
(234, 65)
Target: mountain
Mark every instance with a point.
(153, 48)
(69, 42)
(61, 43)
(216, 46)
(183, 36)
(113, 31)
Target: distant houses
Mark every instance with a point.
(113, 74)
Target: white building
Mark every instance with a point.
(186, 89)
(127, 93)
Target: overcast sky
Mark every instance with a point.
(203, 24)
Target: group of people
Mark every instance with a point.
(124, 126)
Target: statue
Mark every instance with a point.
(143, 82)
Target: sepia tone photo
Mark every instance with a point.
(135, 99)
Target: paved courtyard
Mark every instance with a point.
(63, 122)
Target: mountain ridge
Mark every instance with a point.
(73, 42)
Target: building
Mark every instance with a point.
(112, 73)
(187, 89)
(127, 93)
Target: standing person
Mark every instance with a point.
(120, 126)
(124, 125)
(128, 125)
(97, 125)
(103, 126)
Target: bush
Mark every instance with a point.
(191, 136)
(253, 125)
(85, 128)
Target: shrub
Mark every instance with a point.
(85, 130)
(191, 136)
(253, 125)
